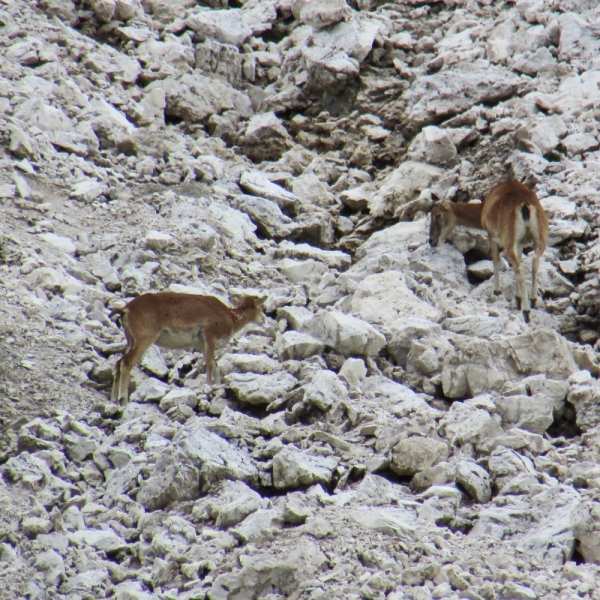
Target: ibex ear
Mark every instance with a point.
(260, 301)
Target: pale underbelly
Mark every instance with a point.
(180, 339)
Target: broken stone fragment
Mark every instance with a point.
(413, 454)
(475, 480)
(293, 468)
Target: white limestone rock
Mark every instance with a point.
(154, 362)
(150, 390)
(464, 424)
(177, 397)
(517, 439)
(263, 571)
(266, 215)
(353, 37)
(265, 138)
(233, 503)
(51, 563)
(194, 97)
(453, 92)
(560, 230)
(547, 133)
(483, 269)
(254, 388)
(162, 59)
(258, 184)
(334, 259)
(483, 326)
(34, 526)
(60, 242)
(248, 363)
(532, 413)
(505, 464)
(258, 526)
(86, 582)
(397, 522)
(312, 191)
(88, 190)
(104, 9)
(329, 70)
(433, 146)
(446, 264)
(514, 591)
(104, 540)
(399, 399)
(414, 454)
(474, 479)
(585, 398)
(293, 345)
(195, 460)
(79, 447)
(405, 331)
(323, 14)
(578, 143)
(527, 167)
(225, 26)
(584, 522)
(158, 240)
(353, 371)
(293, 468)
(347, 334)
(401, 186)
(385, 299)
(302, 271)
(325, 390)
(490, 364)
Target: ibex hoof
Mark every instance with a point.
(526, 316)
(497, 292)
(519, 303)
(533, 302)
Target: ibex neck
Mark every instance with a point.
(468, 214)
(241, 317)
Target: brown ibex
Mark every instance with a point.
(177, 321)
(513, 218)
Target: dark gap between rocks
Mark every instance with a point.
(456, 524)
(172, 119)
(565, 425)
(258, 411)
(393, 477)
(577, 557)
(273, 492)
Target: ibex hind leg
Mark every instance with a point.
(535, 263)
(496, 259)
(114, 393)
(521, 296)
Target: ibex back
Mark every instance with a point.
(177, 321)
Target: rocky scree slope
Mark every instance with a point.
(391, 430)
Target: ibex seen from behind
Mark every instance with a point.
(177, 321)
(513, 218)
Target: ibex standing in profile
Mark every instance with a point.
(513, 218)
(178, 321)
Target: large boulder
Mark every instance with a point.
(347, 334)
(480, 366)
(194, 461)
